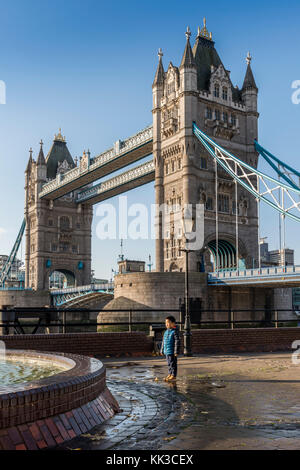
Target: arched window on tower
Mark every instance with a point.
(217, 91)
(64, 222)
(208, 113)
(225, 93)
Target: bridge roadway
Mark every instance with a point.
(275, 276)
(121, 155)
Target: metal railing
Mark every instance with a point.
(15, 321)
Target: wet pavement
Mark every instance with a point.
(247, 401)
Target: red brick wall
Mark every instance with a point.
(89, 344)
(256, 340)
(138, 343)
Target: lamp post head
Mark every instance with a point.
(187, 221)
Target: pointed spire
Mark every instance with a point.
(29, 164)
(41, 158)
(160, 73)
(249, 81)
(188, 59)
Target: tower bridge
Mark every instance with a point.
(203, 149)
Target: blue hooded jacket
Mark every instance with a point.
(171, 342)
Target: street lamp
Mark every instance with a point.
(187, 222)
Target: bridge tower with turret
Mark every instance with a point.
(58, 232)
(201, 90)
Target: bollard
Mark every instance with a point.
(130, 321)
(232, 319)
(276, 318)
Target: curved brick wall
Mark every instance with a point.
(49, 411)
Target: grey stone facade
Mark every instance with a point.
(58, 233)
(201, 90)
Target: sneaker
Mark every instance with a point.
(172, 378)
(167, 378)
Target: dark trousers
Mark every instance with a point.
(172, 364)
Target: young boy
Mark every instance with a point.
(170, 347)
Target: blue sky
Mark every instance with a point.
(87, 66)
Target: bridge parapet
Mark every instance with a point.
(274, 275)
(107, 286)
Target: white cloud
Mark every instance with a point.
(2, 230)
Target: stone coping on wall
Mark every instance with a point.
(83, 382)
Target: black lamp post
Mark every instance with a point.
(187, 336)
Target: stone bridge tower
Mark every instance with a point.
(58, 233)
(200, 90)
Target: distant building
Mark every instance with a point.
(275, 257)
(131, 266)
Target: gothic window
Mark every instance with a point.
(225, 93)
(54, 247)
(171, 87)
(217, 115)
(179, 248)
(64, 247)
(208, 113)
(216, 91)
(167, 168)
(50, 222)
(173, 165)
(64, 223)
(167, 250)
(225, 117)
(179, 201)
(173, 248)
(233, 119)
(209, 203)
(179, 163)
(223, 203)
(78, 225)
(74, 249)
(203, 163)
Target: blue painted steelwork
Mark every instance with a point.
(229, 162)
(268, 156)
(11, 259)
(226, 254)
(64, 296)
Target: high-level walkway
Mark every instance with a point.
(121, 155)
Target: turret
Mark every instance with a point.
(158, 93)
(249, 97)
(249, 89)
(188, 69)
(41, 168)
(158, 83)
